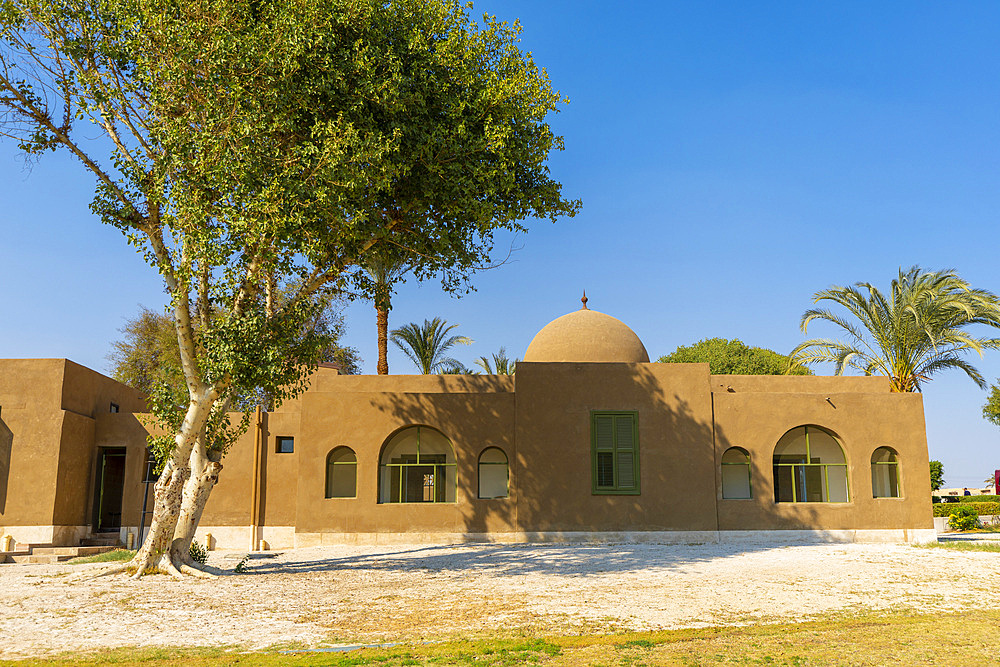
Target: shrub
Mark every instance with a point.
(979, 499)
(964, 517)
(199, 554)
(981, 509)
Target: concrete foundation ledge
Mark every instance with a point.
(863, 536)
(771, 537)
(246, 537)
(69, 536)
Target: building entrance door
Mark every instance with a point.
(110, 487)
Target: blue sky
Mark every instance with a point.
(732, 158)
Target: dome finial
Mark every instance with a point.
(584, 300)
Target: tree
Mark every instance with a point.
(146, 356)
(249, 149)
(915, 331)
(733, 357)
(425, 345)
(937, 475)
(384, 270)
(991, 410)
(501, 364)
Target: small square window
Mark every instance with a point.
(114, 407)
(284, 444)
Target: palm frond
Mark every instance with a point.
(916, 329)
(425, 345)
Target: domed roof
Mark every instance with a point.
(586, 335)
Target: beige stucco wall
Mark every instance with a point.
(861, 421)
(554, 402)
(364, 412)
(48, 423)
(54, 419)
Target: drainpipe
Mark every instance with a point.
(258, 444)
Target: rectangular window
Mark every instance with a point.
(614, 452)
(114, 407)
(284, 444)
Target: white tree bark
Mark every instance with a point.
(156, 552)
(197, 489)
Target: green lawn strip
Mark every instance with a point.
(962, 546)
(106, 557)
(966, 637)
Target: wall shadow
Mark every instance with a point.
(544, 428)
(513, 560)
(474, 413)
(6, 445)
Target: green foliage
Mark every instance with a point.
(404, 125)
(990, 547)
(254, 153)
(991, 410)
(937, 475)
(733, 357)
(106, 557)
(242, 567)
(425, 345)
(914, 332)
(147, 354)
(984, 498)
(964, 517)
(501, 364)
(980, 507)
(199, 554)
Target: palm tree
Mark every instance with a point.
(426, 345)
(384, 270)
(915, 331)
(502, 365)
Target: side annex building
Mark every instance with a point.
(588, 441)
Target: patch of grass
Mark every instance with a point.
(106, 557)
(962, 546)
(958, 638)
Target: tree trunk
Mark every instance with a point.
(197, 489)
(155, 552)
(382, 319)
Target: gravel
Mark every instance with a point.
(356, 595)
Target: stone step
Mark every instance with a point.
(71, 551)
(44, 558)
(101, 540)
(50, 554)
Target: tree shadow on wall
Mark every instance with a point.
(6, 445)
(486, 403)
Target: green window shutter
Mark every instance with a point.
(604, 435)
(615, 456)
(626, 470)
(624, 432)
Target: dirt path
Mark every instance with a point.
(368, 594)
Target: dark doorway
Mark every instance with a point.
(110, 486)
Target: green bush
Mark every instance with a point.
(199, 554)
(981, 509)
(965, 517)
(979, 499)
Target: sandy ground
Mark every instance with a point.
(336, 595)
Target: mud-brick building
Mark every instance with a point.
(589, 440)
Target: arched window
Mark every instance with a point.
(736, 473)
(809, 467)
(885, 473)
(417, 466)
(493, 473)
(341, 473)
